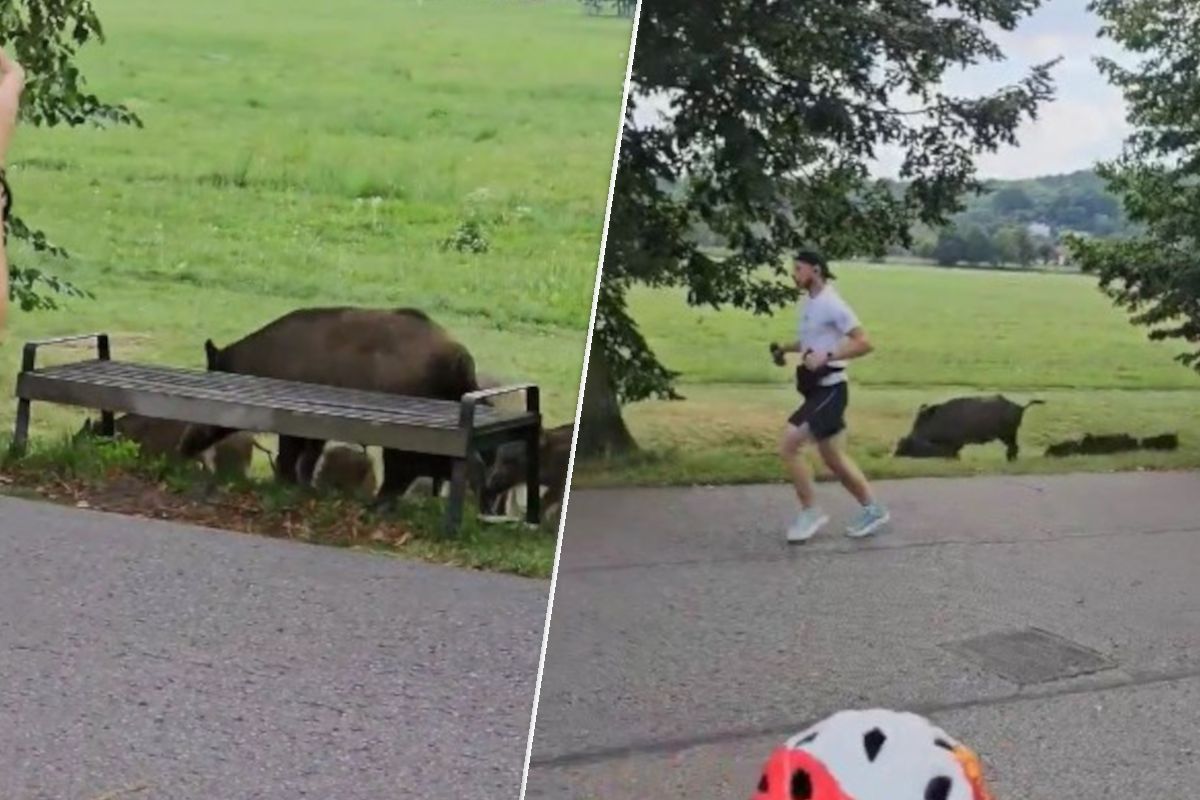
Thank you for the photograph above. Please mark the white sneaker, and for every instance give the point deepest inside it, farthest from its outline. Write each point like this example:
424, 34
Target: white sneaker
809, 521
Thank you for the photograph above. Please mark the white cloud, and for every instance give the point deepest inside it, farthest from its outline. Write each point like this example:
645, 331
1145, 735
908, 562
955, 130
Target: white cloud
1085, 123
1068, 135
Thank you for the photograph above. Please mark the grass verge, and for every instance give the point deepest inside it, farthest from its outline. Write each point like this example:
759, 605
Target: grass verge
938, 334
113, 476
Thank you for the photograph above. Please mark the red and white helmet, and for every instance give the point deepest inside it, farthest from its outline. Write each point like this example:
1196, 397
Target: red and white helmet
872, 754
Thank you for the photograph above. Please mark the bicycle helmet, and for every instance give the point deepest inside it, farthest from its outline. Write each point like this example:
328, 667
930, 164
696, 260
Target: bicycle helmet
872, 754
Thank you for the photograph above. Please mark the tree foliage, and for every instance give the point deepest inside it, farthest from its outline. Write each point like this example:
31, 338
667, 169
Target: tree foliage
777, 111
951, 248
1015, 245
1156, 274
45, 36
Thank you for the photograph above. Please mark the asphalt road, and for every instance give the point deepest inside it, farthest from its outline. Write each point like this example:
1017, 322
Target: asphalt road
687, 639
149, 660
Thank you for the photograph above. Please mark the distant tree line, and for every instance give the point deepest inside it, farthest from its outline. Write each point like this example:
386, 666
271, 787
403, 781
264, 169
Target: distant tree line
623, 8
1025, 222
1019, 223
1077, 202
971, 244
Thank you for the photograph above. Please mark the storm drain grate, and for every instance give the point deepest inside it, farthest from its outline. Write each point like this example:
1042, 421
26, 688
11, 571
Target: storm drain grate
1031, 655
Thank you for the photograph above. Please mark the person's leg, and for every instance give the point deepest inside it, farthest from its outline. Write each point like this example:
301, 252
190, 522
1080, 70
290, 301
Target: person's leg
833, 453
829, 430
791, 449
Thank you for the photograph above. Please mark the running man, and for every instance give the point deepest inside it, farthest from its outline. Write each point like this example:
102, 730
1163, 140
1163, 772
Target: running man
830, 335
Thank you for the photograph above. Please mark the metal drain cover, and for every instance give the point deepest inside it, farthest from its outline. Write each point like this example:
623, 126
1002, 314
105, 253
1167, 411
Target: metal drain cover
1031, 656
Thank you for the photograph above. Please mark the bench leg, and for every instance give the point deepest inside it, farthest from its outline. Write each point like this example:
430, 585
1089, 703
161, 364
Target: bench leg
533, 478
458, 494
21, 430
108, 426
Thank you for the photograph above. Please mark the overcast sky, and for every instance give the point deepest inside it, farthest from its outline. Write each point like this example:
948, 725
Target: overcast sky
1085, 122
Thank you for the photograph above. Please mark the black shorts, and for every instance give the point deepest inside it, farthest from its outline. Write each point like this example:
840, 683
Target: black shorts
824, 411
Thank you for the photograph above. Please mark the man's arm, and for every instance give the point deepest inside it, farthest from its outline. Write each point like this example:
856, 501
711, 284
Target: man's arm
855, 345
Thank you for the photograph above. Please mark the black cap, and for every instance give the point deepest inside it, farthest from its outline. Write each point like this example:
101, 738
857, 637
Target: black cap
817, 260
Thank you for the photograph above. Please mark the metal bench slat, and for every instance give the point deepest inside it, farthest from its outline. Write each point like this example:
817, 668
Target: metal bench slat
171, 377
228, 413
249, 386
224, 395
221, 395
251, 390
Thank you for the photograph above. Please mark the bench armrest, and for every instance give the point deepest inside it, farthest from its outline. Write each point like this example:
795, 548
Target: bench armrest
472, 399
499, 390
29, 354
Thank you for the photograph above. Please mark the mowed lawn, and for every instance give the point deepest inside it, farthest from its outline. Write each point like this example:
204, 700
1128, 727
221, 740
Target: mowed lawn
300, 153
939, 333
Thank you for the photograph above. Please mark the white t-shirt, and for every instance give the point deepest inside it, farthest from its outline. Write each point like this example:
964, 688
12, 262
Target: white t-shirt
824, 322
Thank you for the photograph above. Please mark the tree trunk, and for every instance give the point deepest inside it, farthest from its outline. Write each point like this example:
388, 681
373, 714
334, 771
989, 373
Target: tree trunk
602, 430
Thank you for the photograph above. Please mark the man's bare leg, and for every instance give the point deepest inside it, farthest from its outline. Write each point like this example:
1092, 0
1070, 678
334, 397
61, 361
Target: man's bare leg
872, 515
833, 453
791, 450
811, 519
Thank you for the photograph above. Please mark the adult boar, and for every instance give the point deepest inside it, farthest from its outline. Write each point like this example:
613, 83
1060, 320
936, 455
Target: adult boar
397, 351
951, 425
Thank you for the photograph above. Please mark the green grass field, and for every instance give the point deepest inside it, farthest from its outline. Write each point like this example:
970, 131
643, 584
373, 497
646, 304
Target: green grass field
294, 155
938, 333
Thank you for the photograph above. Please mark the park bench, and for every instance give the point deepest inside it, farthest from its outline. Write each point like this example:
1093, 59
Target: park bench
458, 429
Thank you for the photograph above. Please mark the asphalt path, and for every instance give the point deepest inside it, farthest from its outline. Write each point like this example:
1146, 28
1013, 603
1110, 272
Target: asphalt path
688, 639
143, 659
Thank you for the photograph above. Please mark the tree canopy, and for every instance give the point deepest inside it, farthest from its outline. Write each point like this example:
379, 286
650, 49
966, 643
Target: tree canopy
777, 112
1155, 275
45, 37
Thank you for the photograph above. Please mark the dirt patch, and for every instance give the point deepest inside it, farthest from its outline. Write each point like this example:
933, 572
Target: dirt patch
324, 520
109, 476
